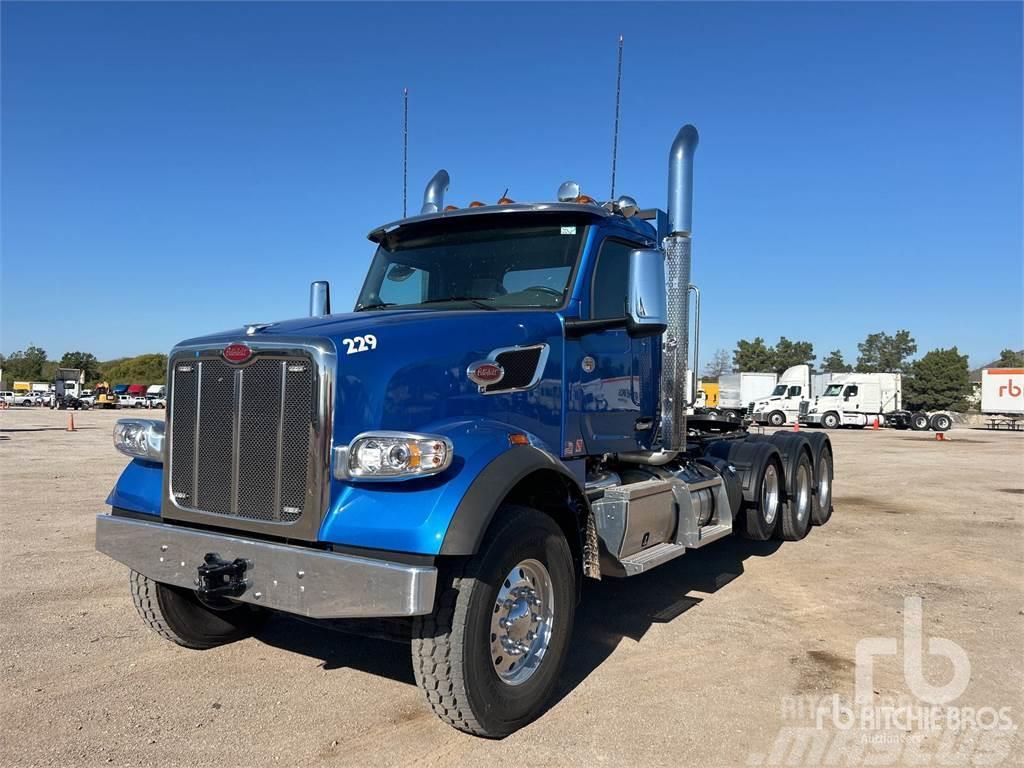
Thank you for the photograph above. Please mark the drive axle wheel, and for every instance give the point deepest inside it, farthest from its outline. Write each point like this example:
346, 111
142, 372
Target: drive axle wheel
489, 656
796, 512
758, 520
821, 510
177, 615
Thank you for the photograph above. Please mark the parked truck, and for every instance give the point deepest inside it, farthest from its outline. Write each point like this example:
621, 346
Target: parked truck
736, 391
1002, 397
796, 384
861, 399
433, 457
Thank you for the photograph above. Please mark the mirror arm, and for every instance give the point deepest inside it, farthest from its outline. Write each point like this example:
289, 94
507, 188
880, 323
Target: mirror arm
574, 329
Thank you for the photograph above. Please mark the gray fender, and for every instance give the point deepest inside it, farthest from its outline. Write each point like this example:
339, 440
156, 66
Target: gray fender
485, 495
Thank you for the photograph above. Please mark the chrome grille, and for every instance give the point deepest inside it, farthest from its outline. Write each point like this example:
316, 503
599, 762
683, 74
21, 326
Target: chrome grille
804, 407
750, 409
242, 439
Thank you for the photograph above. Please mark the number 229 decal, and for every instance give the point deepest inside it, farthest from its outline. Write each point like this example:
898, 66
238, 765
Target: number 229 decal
360, 344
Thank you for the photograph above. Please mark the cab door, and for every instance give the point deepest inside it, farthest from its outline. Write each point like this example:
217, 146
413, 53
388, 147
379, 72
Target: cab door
610, 373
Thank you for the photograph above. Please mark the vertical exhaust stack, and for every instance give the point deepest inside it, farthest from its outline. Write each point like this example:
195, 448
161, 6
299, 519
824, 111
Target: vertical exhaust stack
675, 340
433, 195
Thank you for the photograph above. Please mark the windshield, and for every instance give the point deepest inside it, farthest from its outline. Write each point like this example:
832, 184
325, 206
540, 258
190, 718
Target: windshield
475, 264
779, 390
833, 390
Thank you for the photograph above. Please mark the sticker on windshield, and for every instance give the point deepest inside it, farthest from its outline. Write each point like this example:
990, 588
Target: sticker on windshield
568, 230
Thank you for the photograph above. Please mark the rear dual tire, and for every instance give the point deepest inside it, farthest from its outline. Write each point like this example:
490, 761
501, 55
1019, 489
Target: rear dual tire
795, 515
759, 518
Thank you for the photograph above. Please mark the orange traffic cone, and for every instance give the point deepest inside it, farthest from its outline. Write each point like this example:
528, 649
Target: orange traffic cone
875, 424
71, 423
940, 436
796, 425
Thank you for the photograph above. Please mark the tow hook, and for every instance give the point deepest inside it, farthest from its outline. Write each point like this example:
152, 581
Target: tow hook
221, 578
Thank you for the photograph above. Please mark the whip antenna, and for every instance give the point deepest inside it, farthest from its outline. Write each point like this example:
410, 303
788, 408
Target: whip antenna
615, 139
405, 150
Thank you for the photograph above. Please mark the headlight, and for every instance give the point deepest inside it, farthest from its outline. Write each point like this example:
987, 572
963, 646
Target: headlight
392, 456
140, 438
813, 410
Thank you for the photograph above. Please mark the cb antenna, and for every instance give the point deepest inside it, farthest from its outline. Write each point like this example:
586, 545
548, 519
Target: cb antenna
405, 151
615, 138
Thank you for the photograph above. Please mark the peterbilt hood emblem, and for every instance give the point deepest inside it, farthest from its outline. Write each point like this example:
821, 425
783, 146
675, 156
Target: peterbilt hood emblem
485, 372
237, 353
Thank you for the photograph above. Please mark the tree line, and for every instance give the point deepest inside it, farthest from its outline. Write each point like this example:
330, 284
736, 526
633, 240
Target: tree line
33, 364
937, 380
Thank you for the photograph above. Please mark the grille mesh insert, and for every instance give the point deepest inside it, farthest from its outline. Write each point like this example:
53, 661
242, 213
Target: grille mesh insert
520, 367
241, 439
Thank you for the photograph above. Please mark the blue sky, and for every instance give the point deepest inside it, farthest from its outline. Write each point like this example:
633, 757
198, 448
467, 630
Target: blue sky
174, 169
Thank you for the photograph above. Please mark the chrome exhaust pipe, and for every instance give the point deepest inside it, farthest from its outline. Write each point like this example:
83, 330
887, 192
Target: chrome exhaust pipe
675, 340
433, 195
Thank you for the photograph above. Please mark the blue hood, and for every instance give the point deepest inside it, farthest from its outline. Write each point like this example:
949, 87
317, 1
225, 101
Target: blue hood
415, 378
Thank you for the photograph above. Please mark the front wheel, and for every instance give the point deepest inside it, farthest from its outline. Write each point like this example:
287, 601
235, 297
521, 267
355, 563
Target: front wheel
777, 418
830, 420
489, 656
177, 615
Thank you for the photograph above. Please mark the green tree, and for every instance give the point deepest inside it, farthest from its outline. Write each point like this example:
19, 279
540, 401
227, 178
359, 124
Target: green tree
938, 380
144, 369
753, 356
85, 361
719, 363
834, 363
882, 353
25, 365
1009, 359
789, 353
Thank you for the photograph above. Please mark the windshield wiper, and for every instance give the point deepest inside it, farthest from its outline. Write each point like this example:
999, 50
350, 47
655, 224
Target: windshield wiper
477, 301
378, 305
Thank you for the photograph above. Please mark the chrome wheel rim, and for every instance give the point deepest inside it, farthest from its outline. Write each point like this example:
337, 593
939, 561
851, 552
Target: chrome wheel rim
825, 482
770, 494
521, 622
803, 493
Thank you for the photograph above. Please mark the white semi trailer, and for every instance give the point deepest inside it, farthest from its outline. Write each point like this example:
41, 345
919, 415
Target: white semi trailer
736, 391
1002, 396
796, 385
861, 398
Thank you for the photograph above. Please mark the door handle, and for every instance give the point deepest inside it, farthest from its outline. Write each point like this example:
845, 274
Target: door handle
642, 425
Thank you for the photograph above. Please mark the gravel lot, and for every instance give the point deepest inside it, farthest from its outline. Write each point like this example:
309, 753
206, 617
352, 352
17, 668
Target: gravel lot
696, 663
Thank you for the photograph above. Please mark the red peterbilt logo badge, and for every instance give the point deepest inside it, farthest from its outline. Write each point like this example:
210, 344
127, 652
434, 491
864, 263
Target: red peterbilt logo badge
485, 372
236, 353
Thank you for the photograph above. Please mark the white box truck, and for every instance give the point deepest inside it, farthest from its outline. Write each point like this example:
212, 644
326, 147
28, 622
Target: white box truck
796, 385
1002, 397
860, 398
736, 391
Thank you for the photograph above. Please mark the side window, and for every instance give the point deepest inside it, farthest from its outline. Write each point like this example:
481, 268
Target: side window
611, 278
851, 391
794, 391
403, 284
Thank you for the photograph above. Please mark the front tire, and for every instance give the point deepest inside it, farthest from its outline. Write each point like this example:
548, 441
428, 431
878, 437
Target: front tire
177, 615
776, 418
489, 656
830, 420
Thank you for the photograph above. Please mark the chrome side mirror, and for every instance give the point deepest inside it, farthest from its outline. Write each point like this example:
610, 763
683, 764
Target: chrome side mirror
645, 304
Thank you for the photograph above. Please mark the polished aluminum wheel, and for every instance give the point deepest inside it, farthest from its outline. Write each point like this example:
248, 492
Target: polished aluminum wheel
521, 622
770, 494
825, 481
803, 493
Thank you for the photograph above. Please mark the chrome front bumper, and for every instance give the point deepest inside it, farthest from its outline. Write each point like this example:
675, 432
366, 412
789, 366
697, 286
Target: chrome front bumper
301, 580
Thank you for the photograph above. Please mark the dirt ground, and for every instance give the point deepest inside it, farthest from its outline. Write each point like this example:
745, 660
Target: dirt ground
704, 661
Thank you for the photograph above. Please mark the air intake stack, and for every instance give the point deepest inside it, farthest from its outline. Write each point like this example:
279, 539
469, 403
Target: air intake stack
675, 341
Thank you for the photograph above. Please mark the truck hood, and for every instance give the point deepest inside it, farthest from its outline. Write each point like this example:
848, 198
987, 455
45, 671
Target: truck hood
414, 377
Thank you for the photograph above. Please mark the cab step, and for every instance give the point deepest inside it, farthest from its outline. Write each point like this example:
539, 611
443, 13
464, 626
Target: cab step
651, 557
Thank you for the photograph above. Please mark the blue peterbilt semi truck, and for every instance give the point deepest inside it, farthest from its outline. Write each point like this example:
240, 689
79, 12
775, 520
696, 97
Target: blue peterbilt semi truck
502, 415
